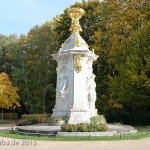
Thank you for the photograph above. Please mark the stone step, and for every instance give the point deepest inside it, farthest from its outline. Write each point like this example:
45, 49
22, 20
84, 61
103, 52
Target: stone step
37, 134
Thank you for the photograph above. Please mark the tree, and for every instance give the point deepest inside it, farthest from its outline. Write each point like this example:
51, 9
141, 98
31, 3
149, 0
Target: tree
8, 93
7, 43
118, 30
40, 68
131, 84
123, 41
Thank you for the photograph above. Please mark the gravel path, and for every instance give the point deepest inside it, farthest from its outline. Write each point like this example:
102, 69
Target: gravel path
16, 144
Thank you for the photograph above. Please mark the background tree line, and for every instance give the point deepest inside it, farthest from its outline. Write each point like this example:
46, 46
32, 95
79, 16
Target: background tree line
118, 30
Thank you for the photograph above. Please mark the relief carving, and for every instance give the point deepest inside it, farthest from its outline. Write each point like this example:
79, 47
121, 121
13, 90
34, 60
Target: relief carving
62, 82
91, 93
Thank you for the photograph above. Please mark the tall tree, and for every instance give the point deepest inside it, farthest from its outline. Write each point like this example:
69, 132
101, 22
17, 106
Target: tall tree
41, 72
122, 40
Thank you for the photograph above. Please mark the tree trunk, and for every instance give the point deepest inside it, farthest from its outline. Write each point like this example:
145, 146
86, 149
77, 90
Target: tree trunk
44, 99
2, 114
26, 83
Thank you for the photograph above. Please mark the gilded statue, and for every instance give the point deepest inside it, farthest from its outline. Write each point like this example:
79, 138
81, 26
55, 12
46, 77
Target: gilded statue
75, 14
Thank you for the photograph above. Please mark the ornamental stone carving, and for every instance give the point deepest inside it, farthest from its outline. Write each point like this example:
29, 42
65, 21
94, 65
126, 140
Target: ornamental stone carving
91, 96
78, 65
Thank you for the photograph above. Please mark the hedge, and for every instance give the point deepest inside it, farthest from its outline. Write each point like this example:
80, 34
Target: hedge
40, 117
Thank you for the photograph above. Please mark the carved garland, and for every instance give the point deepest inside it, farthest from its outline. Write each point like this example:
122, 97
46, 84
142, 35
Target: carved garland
78, 66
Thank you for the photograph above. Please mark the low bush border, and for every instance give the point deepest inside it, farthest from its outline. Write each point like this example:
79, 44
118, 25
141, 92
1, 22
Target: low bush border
42, 118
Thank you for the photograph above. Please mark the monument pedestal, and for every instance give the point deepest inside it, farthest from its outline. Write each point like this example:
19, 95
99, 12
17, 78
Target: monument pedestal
80, 116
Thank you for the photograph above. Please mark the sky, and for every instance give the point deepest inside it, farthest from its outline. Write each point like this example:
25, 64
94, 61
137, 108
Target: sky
19, 16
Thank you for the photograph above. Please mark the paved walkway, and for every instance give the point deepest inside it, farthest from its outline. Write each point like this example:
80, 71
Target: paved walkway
16, 144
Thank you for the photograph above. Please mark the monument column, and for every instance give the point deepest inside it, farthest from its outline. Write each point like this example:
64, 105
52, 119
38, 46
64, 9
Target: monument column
75, 91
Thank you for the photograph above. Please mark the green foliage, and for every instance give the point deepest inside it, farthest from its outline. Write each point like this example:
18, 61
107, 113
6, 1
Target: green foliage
99, 119
32, 121
122, 42
97, 127
97, 124
84, 127
68, 128
53, 121
31, 68
126, 116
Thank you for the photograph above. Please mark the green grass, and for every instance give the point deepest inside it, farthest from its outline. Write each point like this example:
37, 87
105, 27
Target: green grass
11, 134
142, 127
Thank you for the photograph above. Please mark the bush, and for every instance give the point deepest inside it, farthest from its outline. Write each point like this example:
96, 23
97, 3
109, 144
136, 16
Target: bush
92, 127
103, 127
32, 121
84, 127
97, 127
97, 124
69, 128
41, 118
22, 122
53, 121
81, 127
99, 119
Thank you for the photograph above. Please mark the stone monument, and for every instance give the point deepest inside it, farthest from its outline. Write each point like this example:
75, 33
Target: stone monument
75, 91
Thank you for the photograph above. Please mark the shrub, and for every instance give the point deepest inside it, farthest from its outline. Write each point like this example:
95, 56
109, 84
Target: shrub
103, 127
99, 119
81, 127
84, 127
22, 122
92, 127
32, 121
68, 128
41, 118
53, 121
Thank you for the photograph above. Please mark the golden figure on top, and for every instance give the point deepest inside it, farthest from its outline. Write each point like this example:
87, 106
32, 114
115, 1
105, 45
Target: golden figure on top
75, 14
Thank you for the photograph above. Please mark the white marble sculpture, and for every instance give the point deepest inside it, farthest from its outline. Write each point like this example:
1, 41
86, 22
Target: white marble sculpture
75, 91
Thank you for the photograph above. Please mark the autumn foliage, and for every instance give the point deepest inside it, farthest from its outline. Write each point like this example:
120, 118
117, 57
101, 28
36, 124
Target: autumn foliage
8, 93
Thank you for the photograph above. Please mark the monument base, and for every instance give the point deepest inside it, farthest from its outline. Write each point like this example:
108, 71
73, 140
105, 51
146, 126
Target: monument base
59, 113
45, 130
76, 116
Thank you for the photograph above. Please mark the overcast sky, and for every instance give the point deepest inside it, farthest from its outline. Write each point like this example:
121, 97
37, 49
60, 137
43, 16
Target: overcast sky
19, 16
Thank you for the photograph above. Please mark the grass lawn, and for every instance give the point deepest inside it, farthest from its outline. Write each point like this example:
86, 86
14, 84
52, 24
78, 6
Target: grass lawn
138, 135
142, 127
